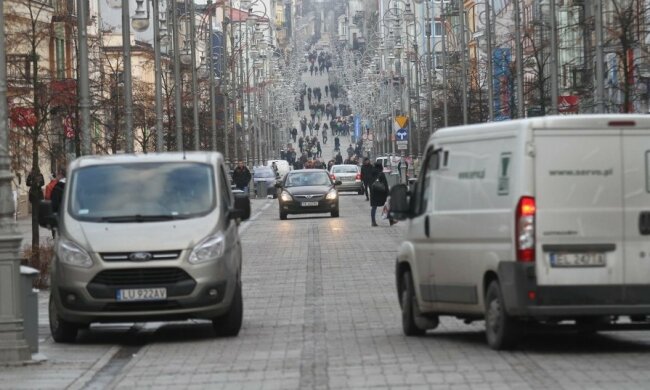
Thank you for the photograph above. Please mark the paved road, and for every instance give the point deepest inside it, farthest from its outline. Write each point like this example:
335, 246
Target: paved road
321, 312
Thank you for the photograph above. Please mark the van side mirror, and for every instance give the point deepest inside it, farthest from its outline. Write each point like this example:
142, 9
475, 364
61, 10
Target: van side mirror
338, 182
400, 209
242, 209
46, 218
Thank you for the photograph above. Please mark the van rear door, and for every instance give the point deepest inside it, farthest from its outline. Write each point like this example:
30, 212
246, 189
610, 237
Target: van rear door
579, 207
636, 162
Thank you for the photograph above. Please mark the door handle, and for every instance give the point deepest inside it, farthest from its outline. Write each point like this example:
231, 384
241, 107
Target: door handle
426, 226
644, 223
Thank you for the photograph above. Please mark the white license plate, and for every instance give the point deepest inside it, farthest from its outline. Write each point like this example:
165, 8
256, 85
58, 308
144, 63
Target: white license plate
309, 204
578, 259
141, 294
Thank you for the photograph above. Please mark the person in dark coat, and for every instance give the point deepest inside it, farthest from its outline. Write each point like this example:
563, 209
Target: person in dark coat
241, 177
367, 176
377, 199
58, 190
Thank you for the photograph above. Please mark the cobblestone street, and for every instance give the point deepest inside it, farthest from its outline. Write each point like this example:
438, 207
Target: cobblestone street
321, 312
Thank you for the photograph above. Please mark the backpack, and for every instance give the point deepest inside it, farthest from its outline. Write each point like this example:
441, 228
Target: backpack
378, 186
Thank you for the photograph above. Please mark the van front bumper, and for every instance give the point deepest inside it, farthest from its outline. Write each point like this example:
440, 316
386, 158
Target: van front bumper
524, 298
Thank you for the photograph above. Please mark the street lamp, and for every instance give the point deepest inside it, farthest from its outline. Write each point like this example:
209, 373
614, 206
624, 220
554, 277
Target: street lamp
13, 347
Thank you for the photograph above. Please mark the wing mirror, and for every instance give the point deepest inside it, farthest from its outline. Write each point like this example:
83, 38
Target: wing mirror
338, 182
242, 209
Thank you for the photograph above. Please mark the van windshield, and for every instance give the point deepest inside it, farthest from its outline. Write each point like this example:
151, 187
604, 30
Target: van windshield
141, 192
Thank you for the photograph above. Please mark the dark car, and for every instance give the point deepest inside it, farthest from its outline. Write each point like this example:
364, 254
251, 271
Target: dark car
307, 191
267, 176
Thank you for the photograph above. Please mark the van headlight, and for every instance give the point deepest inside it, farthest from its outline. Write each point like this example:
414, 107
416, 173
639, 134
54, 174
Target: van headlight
331, 195
286, 197
211, 248
71, 253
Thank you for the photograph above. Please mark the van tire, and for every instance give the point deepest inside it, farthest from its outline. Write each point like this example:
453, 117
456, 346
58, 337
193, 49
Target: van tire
62, 331
409, 301
229, 324
501, 330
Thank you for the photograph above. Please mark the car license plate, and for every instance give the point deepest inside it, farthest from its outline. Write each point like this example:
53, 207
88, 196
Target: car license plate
560, 260
309, 204
141, 294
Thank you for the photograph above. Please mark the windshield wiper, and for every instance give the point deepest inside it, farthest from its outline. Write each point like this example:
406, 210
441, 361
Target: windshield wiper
140, 218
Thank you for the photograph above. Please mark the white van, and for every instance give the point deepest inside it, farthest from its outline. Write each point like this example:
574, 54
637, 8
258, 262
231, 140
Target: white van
283, 166
533, 222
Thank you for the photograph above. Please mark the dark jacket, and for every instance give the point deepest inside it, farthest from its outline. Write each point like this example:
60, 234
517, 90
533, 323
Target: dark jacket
367, 173
241, 177
378, 198
57, 195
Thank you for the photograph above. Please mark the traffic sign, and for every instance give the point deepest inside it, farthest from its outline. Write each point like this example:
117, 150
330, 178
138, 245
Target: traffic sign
402, 146
402, 135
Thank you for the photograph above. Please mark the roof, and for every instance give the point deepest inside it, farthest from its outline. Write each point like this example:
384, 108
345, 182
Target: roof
198, 157
238, 15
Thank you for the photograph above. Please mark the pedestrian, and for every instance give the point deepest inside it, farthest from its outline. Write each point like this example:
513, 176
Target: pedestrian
327, 91
338, 159
48, 188
378, 193
337, 143
35, 182
301, 144
367, 174
241, 177
294, 134
57, 191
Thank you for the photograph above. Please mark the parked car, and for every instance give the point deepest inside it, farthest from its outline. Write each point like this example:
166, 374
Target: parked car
283, 166
146, 238
267, 176
350, 177
308, 191
534, 222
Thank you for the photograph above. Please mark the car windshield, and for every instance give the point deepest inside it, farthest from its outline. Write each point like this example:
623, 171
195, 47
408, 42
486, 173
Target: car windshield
141, 192
264, 173
307, 179
344, 169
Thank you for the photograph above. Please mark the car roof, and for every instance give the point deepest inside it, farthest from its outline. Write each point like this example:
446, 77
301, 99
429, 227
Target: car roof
198, 157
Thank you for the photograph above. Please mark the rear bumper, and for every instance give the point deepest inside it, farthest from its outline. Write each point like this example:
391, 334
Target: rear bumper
523, 297
324, 206
350, 186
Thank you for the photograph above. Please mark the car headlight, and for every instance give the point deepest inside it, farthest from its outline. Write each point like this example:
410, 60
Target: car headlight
72, 254
331, 195
211, 248
286, 197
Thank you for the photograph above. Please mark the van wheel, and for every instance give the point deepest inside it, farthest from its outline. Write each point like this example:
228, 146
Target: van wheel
409, 327
283, 216
229, 324
62, 331
501, 330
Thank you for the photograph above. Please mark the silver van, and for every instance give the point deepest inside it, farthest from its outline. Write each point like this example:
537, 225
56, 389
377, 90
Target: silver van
146, 238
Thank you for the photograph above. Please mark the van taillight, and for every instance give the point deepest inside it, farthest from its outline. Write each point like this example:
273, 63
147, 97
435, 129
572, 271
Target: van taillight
525, 233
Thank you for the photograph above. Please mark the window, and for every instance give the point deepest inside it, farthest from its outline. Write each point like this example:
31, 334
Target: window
224, 194
438, 60
425, 192
437, 29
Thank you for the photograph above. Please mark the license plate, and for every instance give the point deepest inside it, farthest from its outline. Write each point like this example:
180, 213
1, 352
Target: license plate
309, 204
347, 179
560, 260
141, 294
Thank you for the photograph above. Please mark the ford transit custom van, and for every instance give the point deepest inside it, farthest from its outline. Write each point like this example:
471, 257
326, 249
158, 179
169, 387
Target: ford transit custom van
146, 238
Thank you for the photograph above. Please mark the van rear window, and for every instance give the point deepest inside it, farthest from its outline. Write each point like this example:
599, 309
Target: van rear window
141, 192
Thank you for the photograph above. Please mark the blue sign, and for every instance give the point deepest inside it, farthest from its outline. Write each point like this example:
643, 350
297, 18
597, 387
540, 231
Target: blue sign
402, 135
357, 126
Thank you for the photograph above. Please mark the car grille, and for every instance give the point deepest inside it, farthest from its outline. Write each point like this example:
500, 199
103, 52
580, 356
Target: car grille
141, 306
308, 197
124, 256
141, 276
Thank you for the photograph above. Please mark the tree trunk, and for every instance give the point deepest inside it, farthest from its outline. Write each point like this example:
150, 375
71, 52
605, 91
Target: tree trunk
35, 189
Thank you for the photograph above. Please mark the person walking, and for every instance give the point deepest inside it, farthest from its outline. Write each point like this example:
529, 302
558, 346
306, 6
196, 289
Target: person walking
367, 175
241, 177
58, 190
378, 195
